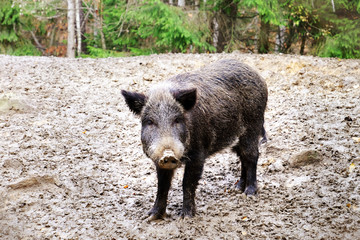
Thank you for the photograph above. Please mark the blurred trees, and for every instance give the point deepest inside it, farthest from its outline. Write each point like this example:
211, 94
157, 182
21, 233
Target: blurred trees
100, 28
149, 27
12, 40
75, 29
71, 29
10, 21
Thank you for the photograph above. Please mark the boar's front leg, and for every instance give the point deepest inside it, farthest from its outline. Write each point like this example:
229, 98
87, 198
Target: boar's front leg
164, 182
192, 175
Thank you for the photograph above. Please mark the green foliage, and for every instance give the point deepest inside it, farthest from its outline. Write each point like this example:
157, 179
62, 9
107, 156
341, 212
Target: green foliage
304, 19
42, 8
26, 49
224, 6
11, 40
342, 34
269, 10
20, 49
345, 43
151, 27
9, 22
142, 27
167, 26
101, 53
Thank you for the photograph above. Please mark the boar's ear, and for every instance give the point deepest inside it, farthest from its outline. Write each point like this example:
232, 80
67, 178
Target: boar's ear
135, 101
187, 98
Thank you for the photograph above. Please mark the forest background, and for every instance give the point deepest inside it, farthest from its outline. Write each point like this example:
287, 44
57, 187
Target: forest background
109, 28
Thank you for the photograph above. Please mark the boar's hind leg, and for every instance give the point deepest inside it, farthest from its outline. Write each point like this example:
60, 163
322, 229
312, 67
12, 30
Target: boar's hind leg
164, 182
248, 151
192, 175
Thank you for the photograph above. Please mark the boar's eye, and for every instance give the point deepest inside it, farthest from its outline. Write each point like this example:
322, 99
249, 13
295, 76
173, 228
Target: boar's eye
178, 120
148, 122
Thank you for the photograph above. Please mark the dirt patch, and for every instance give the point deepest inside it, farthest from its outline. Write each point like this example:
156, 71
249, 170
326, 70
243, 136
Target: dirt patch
72, 167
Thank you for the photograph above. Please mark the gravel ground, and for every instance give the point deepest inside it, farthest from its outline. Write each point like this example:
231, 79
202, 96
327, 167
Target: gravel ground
72, 166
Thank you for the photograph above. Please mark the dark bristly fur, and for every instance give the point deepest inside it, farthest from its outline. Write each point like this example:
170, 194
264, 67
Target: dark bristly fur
197, 114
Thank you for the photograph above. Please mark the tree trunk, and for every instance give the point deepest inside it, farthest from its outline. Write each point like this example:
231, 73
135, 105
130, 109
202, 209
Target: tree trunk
303, 40
78, 26
256, 37
215, 30
38, 44
103, 44
223, 25
196, 4
83, 21
264, 46
222, 33
280, 39
98, 29
181, 3
333, 5
289, 37
71, 29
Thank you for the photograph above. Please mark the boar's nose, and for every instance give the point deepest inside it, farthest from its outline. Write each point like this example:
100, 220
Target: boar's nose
168, 160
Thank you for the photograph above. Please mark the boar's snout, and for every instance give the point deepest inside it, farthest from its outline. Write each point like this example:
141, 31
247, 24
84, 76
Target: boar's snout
168, 160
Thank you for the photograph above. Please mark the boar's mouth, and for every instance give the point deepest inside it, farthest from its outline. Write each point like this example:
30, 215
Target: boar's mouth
168, 160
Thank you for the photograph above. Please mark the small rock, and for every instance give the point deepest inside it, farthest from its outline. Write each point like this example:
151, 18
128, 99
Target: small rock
277, 166
306, 157
33, 181
296, 181
15, 164
10, 101
147, 78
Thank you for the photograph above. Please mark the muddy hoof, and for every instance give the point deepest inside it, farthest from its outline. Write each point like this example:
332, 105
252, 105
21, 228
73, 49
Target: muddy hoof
154, 218
250, 191
240, 185
187, 214
154, 215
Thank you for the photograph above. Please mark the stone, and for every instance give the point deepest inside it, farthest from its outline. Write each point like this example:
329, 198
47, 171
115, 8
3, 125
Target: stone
306, 157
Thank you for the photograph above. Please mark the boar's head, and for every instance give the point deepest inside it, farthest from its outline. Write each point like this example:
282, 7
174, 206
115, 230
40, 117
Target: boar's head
164, 123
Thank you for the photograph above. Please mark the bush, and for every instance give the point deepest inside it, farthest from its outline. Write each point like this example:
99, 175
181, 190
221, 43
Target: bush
9, 23
12, 42
151, 27
345, 42
101, 53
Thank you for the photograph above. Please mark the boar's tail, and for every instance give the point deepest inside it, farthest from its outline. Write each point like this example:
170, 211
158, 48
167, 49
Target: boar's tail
263, 134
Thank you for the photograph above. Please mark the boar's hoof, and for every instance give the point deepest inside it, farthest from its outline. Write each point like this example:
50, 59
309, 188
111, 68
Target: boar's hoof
187, 214
156, 216
250, 191
241, 185
168, 161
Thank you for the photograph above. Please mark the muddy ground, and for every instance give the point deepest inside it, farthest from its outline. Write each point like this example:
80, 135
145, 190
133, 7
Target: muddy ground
72, 167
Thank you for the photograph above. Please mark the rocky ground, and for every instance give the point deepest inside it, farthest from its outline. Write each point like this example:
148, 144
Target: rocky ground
72, 167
